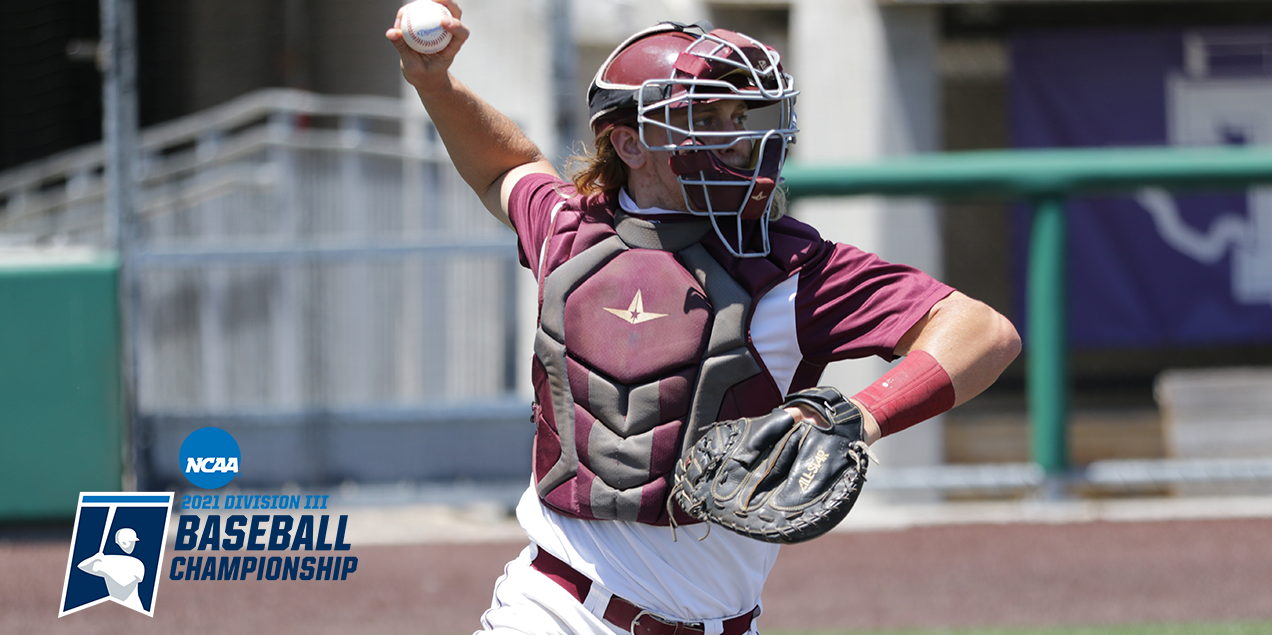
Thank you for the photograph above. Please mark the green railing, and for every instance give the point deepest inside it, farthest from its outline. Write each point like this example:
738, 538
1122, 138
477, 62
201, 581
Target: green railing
1045, 178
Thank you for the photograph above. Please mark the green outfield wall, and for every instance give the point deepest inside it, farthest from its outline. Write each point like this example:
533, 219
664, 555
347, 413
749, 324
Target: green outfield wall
61, 409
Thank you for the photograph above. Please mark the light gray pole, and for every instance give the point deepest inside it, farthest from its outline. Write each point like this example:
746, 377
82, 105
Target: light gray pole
118, 58
564, 69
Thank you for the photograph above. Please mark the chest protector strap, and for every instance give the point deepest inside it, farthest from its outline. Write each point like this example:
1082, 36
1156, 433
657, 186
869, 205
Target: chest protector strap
640, 338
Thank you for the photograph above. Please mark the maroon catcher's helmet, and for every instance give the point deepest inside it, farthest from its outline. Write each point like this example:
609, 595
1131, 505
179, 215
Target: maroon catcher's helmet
673, 66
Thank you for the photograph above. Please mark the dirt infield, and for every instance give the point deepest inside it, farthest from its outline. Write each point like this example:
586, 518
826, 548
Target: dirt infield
951, 576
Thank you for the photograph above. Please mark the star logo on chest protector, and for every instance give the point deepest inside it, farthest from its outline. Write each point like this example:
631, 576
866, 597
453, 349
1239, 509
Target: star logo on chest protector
635, 313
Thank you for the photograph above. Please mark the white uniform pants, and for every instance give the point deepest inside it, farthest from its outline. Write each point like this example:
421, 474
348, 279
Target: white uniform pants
528, 602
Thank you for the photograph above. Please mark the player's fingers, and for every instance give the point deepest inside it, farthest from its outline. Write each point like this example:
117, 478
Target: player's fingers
412, 62
800, 412
394, 33
459, 34
451, 6
394, 36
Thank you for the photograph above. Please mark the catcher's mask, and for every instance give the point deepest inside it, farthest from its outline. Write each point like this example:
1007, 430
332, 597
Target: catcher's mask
671, 67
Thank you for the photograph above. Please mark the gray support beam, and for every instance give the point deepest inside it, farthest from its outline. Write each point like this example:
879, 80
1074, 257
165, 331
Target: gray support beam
122, 140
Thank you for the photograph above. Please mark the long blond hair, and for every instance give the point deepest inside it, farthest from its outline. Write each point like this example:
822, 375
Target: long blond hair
599, 170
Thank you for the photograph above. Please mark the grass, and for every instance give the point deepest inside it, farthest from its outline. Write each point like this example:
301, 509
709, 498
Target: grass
1230, 628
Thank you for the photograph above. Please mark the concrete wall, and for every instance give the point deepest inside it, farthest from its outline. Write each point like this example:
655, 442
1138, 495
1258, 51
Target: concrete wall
348, 52
230, 47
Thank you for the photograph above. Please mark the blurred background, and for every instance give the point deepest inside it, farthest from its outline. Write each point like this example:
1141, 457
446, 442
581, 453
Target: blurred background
294, 260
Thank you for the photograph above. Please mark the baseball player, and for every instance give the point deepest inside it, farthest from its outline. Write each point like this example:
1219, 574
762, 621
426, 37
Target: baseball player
675, 294
122, 573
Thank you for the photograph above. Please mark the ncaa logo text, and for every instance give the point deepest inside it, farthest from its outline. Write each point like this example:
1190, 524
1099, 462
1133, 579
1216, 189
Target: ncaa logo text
194, 465
210, 458
116, 550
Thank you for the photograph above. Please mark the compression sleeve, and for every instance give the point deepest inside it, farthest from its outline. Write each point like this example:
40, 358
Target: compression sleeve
916, 389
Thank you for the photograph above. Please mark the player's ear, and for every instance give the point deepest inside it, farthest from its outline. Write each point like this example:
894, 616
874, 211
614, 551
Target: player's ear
627, 146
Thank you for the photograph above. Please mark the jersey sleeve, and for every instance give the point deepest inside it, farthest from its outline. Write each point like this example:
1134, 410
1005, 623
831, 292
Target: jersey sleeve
532, 205
854, 304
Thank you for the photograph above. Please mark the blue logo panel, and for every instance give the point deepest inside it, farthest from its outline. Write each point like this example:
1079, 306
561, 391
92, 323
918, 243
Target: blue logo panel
116, 551
210, 458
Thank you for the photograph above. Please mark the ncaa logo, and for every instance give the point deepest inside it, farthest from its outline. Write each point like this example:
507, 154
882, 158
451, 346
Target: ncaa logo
210, 458
116, 550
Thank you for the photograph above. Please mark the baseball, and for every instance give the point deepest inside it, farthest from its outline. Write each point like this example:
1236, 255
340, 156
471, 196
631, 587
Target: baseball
422, 26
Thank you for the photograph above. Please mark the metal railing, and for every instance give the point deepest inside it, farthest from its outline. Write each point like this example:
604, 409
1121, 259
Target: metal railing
293, 247
1046, 178
297, 258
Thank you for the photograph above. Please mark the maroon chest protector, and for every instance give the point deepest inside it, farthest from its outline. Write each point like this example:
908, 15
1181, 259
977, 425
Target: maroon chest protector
642, 345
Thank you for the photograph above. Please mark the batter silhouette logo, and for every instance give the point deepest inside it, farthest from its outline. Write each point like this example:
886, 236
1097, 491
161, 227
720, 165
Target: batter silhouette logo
116, 550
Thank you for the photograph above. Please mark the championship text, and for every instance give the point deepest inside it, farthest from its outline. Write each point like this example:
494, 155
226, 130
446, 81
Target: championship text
261, 532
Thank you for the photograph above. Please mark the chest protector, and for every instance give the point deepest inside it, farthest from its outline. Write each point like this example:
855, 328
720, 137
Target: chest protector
642, 345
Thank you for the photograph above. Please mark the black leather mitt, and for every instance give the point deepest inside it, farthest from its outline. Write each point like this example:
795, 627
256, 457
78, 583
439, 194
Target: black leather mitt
774, 479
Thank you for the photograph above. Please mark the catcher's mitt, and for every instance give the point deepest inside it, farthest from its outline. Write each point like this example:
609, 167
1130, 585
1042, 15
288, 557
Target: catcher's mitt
774, 479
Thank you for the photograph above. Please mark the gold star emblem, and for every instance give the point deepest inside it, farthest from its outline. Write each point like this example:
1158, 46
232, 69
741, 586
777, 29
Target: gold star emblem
635, 314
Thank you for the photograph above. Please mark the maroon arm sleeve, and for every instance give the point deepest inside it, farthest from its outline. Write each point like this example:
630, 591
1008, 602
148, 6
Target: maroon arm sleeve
914, 390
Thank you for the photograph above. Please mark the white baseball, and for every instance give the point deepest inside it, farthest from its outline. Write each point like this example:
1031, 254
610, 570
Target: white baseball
422, 26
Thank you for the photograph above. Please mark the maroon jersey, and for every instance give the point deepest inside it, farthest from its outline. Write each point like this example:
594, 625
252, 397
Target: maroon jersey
651, 331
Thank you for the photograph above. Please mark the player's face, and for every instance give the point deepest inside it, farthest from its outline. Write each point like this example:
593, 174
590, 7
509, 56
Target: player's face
723, 116
127, 545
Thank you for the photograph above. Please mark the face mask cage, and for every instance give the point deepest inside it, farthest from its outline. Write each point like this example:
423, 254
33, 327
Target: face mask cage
727, 194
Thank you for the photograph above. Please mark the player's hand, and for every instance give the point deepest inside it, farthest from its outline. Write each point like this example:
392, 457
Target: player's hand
870, 427
424, 70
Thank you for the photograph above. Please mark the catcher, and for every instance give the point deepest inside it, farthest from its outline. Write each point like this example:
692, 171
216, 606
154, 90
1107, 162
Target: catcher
678, 308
